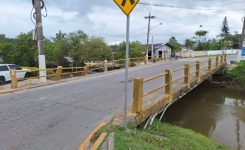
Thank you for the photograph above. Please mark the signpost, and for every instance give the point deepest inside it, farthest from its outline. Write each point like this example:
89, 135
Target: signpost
127, 7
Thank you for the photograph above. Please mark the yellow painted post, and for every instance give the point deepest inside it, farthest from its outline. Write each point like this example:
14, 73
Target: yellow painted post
198, 73
85, 70
210, 65
105, 66
59, 72
222, 60
145, 60
225, 59
169, 85
187, 76
217, 62
14, 81
138, 95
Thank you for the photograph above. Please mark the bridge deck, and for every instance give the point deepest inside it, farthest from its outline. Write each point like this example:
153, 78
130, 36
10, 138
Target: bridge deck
60, 116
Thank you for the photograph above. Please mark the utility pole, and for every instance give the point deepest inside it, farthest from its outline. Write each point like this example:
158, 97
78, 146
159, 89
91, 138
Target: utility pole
242, 45
243, 33
39, 35
152, 47
148, 33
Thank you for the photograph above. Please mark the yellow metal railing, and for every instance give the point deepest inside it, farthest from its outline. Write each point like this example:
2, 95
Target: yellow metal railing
55, 74
200, 67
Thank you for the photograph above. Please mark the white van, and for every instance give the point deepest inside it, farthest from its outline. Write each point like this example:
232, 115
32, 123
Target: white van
5, 72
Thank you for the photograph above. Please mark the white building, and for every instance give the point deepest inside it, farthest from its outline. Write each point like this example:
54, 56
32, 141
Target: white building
160, 49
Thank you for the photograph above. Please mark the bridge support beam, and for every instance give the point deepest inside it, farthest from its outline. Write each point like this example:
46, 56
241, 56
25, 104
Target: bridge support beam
138, 95
187, 76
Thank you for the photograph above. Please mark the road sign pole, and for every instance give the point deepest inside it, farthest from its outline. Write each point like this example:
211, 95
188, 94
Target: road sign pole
126, 74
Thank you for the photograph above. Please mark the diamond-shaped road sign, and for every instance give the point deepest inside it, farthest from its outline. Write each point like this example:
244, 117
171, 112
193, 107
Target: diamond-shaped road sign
126, 5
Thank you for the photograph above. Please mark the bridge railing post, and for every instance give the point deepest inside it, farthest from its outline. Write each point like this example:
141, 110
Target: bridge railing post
225, 59
217, 62
105, 66
145, 60
85, 70
138, 95
14, 81
58, 72
129, 62
198, 73
222, 60
169, 84
187, 76
210, 65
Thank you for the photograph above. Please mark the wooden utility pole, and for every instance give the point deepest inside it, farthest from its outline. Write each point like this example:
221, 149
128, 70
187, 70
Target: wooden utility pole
243, 33
39, 36
148, 33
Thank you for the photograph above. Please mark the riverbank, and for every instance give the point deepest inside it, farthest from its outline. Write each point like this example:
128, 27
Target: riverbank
163, 136
237, 76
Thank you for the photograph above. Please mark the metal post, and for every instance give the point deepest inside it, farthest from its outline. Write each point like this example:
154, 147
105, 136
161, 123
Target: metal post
126, 74
138, 95
187, 76
41, 52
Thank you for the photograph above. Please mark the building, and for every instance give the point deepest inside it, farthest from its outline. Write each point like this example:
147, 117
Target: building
160, 49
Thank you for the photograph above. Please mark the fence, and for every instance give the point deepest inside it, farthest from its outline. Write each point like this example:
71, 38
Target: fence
171, 81
53, 75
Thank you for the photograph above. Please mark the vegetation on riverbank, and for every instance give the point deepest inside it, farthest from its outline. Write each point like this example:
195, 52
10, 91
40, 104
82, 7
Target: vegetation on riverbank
163, 136
237, 75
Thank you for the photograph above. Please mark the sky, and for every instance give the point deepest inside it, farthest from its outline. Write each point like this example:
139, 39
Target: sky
103, 18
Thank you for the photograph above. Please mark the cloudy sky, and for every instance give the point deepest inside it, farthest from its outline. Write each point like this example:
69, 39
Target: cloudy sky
180, 18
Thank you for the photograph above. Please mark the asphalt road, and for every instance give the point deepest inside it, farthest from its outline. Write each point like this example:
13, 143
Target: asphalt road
59, 117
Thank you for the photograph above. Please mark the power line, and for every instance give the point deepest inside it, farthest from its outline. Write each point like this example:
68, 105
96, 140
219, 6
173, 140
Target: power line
185, 7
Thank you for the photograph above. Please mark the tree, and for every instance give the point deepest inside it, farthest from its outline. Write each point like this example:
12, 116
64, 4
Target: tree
201, 39
97, 50
225, 28
174, 43
136, 49
189, 44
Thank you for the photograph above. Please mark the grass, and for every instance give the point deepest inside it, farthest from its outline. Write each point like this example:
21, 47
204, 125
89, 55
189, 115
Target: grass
238, 75
163, 136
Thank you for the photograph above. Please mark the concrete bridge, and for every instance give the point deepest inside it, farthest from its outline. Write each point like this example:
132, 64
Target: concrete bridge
60, 116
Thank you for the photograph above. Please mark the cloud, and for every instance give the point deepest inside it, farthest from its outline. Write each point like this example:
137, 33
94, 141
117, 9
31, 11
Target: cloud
103, 18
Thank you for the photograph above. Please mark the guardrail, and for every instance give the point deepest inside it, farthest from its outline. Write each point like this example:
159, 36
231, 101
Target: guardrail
55, 74
184, 81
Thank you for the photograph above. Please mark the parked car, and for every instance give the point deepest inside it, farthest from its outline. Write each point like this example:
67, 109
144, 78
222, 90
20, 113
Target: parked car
5, 72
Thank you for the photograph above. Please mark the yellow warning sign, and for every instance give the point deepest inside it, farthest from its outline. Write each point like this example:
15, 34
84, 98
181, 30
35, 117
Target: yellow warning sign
126, 5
